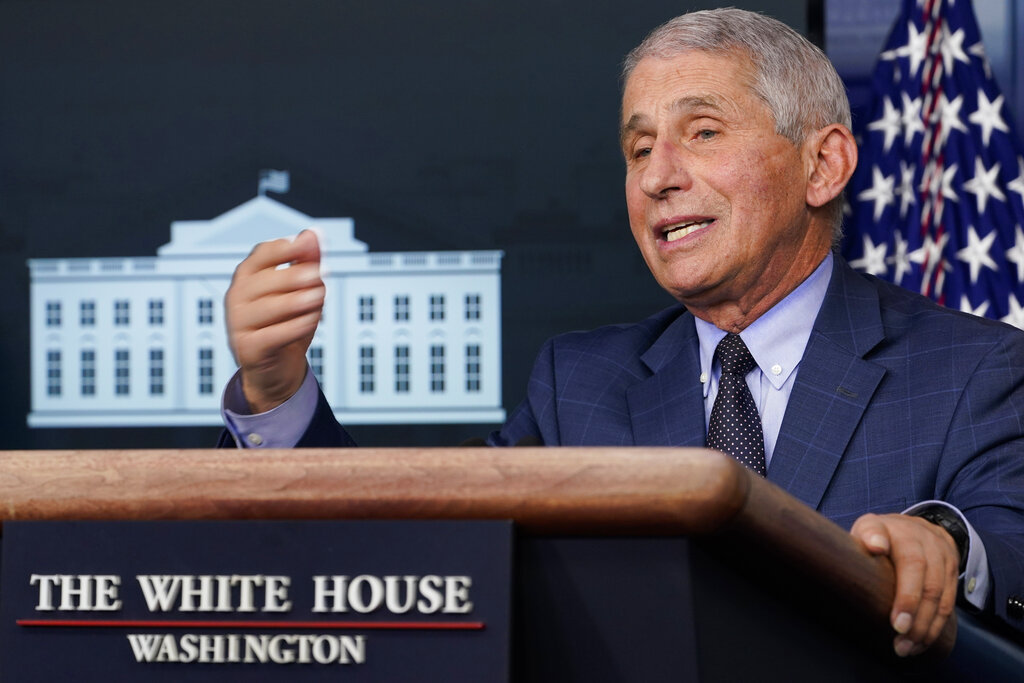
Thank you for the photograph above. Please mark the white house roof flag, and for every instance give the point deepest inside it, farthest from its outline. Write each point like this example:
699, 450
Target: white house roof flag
938, 197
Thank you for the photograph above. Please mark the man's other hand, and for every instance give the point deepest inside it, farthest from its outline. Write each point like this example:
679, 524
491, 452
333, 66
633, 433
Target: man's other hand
272, 309
927, 564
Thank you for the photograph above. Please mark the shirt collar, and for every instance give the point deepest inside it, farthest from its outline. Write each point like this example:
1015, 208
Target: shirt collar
778, 338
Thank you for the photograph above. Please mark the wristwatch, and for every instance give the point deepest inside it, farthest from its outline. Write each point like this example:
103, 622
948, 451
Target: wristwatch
952, 523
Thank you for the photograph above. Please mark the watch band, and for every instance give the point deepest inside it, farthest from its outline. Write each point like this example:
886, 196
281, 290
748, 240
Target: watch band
952, 523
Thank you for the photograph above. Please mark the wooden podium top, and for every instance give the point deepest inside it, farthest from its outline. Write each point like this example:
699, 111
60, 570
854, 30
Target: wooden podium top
594, 491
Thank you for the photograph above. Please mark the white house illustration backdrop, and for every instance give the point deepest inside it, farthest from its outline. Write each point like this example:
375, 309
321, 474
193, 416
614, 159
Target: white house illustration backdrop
406, 337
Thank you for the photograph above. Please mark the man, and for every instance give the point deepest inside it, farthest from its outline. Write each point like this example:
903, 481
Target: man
872, 400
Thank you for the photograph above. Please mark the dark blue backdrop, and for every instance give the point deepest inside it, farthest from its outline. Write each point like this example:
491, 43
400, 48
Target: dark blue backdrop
461, 124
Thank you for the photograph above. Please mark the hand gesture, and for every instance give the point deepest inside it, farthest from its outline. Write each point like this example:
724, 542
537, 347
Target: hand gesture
272, 309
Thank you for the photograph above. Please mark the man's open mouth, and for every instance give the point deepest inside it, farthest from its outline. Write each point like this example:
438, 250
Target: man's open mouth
677, 232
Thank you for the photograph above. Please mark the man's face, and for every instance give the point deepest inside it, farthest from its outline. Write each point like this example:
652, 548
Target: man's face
716, 197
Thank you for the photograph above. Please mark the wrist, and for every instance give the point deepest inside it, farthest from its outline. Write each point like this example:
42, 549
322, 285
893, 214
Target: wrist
952, 523
262, 397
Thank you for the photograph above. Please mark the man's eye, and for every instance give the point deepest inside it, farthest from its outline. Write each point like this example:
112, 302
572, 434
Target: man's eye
642, 152
706, 134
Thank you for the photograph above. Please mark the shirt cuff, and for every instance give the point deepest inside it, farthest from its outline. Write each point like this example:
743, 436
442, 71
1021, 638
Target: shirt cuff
281, 427
975, 579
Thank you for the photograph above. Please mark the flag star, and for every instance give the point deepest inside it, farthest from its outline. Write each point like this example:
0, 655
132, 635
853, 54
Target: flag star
949, 117
966, 307
930, 182
916, 48
1017, 184
947, 184
880, 192
911, 118
1016, 315
952, 48
873, 260
906, 189
975, 254
900, 258
1016, 254
978, 50
987, 116
984, 185
889, 123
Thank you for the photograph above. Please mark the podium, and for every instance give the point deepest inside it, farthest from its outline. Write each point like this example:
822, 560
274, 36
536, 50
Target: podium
630, 564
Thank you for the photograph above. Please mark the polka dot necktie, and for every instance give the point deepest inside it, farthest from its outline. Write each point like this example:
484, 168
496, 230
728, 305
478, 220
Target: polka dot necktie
735, 426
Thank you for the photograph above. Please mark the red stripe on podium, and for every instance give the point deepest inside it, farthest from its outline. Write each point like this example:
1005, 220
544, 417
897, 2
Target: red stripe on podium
325, 625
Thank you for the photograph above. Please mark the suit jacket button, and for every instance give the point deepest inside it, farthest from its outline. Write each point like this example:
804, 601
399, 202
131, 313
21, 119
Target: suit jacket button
1015, 607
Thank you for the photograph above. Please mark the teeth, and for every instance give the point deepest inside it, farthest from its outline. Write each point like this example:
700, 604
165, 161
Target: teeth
681, 231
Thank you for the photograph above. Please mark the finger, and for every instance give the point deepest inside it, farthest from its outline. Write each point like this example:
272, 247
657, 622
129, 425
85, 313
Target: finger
304, 248
268, 255
927, 565
944, 611
918, 594
873, 534
261, 344
276, 308
910, 579
934, 606
935, 550
307, 243
946, 603
300, 307
256, 286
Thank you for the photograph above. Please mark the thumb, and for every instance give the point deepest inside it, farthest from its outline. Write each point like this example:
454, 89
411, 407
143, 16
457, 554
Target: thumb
872, 534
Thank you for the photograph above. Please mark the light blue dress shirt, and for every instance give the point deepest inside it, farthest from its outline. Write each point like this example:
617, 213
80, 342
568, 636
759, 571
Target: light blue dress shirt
776, 341
281, 427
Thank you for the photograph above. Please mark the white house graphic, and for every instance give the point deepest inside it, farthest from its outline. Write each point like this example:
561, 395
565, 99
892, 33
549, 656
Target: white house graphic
407, 337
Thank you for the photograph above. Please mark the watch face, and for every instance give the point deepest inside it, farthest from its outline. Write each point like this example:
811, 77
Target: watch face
954, 526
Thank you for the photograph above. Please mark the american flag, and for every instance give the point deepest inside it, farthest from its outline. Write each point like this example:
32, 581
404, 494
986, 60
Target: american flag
937, 201
274, 181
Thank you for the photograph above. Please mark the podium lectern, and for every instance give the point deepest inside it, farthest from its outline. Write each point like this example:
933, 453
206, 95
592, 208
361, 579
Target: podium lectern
630, 564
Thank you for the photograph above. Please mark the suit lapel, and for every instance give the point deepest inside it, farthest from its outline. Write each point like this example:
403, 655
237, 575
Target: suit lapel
833, 388
667, 408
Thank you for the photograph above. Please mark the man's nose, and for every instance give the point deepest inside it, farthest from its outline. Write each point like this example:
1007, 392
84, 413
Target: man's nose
665, 171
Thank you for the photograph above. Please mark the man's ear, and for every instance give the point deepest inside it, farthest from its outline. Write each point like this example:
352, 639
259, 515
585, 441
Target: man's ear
832, 156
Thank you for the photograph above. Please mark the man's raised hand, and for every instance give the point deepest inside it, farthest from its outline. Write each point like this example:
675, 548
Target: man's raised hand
272, 309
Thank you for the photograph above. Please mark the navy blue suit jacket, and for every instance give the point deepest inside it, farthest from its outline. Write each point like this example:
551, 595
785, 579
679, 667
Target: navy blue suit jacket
897, 400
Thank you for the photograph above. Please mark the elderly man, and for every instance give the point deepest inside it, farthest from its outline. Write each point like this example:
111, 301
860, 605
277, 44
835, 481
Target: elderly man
878, 408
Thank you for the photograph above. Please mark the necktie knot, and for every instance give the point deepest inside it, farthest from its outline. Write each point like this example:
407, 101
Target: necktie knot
734, 356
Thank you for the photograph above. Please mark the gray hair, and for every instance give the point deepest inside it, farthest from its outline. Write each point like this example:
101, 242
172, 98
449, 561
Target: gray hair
792, 76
